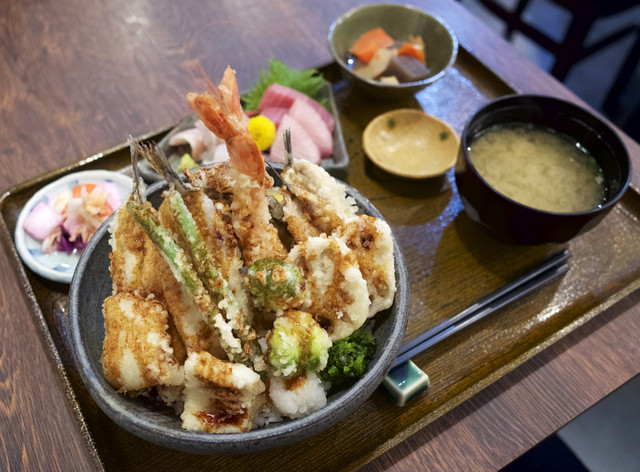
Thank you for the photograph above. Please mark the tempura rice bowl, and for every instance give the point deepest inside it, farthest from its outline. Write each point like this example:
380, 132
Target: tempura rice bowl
92, 284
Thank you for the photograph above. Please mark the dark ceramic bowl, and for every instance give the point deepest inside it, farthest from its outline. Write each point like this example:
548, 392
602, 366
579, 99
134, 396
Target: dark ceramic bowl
91, 284
441, 44
513, 221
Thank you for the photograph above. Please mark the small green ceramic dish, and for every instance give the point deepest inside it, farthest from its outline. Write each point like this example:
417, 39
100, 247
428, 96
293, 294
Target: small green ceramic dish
441, 44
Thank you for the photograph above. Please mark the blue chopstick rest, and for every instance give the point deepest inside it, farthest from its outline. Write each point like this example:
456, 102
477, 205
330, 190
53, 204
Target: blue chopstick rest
405, 381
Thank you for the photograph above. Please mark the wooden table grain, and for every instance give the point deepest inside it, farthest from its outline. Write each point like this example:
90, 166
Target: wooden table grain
77, 77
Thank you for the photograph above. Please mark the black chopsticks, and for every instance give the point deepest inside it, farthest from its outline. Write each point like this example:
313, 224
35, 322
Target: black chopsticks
550, 268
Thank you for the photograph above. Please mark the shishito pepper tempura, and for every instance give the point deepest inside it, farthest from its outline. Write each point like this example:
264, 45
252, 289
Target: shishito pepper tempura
211, 311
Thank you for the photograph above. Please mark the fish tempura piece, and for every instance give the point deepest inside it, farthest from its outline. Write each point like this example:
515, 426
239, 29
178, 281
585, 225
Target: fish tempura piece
220, 110
316, 198
216, 181
220, 397
180, 264
136, 266
175, 215
213, 222
188, 320
137, 351
335, 293
316, 203
370, 239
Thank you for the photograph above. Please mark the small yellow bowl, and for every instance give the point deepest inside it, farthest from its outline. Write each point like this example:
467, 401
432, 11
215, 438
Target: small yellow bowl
410, 143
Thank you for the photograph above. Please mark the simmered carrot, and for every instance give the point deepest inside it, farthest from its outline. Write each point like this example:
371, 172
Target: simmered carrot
77, 191
368, 43
408, 49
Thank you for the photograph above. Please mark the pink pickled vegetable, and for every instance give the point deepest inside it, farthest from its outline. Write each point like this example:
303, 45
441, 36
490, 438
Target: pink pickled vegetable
277, 95
302, 145
113, 195
86, 214
41, 221
312, 123
74, 217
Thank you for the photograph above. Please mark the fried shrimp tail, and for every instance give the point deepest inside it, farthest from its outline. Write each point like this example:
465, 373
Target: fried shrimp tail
288, 151
220, 110
139, 189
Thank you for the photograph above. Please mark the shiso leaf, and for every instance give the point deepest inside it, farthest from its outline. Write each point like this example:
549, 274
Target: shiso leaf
308, 81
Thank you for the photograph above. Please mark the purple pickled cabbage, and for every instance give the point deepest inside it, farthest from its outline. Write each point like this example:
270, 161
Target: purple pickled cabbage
68, 246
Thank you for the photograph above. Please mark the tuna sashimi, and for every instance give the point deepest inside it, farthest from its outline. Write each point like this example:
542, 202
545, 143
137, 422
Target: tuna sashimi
274, 114
304, 114
277, 95
302, 145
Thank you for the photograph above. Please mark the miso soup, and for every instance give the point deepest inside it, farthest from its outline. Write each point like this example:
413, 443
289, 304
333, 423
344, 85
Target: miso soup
538, 167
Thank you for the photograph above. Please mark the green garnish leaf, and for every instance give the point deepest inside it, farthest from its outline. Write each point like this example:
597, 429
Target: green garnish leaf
391, 123
444, 135
349, 358
308, 81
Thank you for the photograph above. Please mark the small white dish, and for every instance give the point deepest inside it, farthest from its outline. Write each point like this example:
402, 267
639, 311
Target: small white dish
59, 266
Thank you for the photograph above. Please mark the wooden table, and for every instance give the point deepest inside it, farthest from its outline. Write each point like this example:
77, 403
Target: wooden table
77, 77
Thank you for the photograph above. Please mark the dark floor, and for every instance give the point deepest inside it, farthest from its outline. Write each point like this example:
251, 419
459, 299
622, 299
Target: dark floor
606, 438
591, 78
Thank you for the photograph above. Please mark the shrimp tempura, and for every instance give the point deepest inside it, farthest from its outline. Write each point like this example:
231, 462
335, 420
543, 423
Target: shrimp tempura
220, 110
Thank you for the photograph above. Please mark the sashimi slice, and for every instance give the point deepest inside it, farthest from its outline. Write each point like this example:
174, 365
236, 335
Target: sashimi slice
312, 123
274, 114
277, 95
302, 145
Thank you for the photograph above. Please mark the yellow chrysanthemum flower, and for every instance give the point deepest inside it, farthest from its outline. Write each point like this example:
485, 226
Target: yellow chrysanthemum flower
263, 131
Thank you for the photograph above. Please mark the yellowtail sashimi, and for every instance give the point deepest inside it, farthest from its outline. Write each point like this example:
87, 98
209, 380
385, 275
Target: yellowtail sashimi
277, 95
302, 144
312, 123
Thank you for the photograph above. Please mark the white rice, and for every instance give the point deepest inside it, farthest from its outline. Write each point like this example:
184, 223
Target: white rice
308, 396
